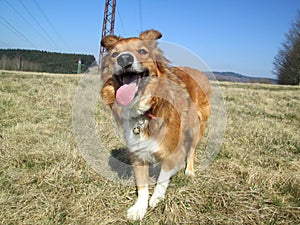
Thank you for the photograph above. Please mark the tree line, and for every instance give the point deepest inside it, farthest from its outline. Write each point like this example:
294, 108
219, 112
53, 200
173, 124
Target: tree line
287, 60
43, 61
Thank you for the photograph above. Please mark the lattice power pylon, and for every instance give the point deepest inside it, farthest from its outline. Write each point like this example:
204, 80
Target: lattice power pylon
108, 22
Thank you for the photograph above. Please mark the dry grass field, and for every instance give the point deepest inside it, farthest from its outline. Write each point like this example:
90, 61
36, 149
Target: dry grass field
44, 179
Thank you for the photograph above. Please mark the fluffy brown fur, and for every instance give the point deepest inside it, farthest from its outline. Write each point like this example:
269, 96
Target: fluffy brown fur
178, 98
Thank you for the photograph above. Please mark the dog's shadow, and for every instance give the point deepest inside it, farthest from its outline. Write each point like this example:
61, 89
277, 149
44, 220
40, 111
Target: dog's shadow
119, 162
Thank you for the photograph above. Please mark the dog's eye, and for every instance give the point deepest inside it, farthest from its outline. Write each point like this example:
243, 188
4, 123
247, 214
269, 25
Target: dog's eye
142, 52
115, 54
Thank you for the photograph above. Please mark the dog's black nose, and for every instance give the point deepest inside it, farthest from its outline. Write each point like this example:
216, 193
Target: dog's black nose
125, 60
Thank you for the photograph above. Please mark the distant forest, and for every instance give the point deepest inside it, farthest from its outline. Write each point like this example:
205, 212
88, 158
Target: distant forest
42, 61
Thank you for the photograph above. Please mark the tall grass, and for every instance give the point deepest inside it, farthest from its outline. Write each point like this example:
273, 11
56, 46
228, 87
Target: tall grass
44, 179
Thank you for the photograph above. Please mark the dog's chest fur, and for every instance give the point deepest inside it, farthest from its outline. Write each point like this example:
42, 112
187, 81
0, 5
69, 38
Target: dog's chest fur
137, 137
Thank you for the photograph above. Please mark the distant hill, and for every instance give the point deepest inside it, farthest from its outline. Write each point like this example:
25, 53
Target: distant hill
236, 77
42, 61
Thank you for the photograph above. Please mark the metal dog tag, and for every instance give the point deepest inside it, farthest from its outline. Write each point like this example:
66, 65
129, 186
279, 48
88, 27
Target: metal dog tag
137, 130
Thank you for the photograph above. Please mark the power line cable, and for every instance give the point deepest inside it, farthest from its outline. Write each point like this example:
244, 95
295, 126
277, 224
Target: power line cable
10, 27
14, 9
121, 21
2, 43
23, 18
40, 26
50, 23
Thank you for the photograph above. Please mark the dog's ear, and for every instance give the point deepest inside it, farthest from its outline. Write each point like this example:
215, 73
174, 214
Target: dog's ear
150, 35
109, 41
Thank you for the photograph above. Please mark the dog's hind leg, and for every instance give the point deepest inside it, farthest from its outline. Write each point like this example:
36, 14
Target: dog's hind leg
189, 170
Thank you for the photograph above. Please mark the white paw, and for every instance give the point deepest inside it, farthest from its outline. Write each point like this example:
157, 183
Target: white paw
154, 200
189, 173
136, 212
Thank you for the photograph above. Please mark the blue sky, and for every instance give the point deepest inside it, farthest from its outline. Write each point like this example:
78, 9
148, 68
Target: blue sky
228, 35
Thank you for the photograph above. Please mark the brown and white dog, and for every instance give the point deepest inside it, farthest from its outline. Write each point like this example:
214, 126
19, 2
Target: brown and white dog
162, 110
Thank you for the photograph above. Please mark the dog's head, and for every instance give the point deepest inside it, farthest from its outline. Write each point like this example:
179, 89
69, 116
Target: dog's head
129, 61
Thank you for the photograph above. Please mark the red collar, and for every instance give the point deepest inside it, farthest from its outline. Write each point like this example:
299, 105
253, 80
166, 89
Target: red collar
151, 116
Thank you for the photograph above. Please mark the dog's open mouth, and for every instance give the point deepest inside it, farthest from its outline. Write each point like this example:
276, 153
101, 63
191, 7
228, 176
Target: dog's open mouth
129, 84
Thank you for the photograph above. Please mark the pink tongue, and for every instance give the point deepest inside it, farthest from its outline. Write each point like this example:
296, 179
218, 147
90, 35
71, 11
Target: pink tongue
126, 93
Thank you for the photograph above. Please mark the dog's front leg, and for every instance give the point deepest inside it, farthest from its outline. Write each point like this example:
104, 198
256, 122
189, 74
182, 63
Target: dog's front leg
162, 185
138, 210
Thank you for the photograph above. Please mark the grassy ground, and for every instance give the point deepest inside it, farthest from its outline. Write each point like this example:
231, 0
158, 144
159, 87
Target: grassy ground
44, 179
